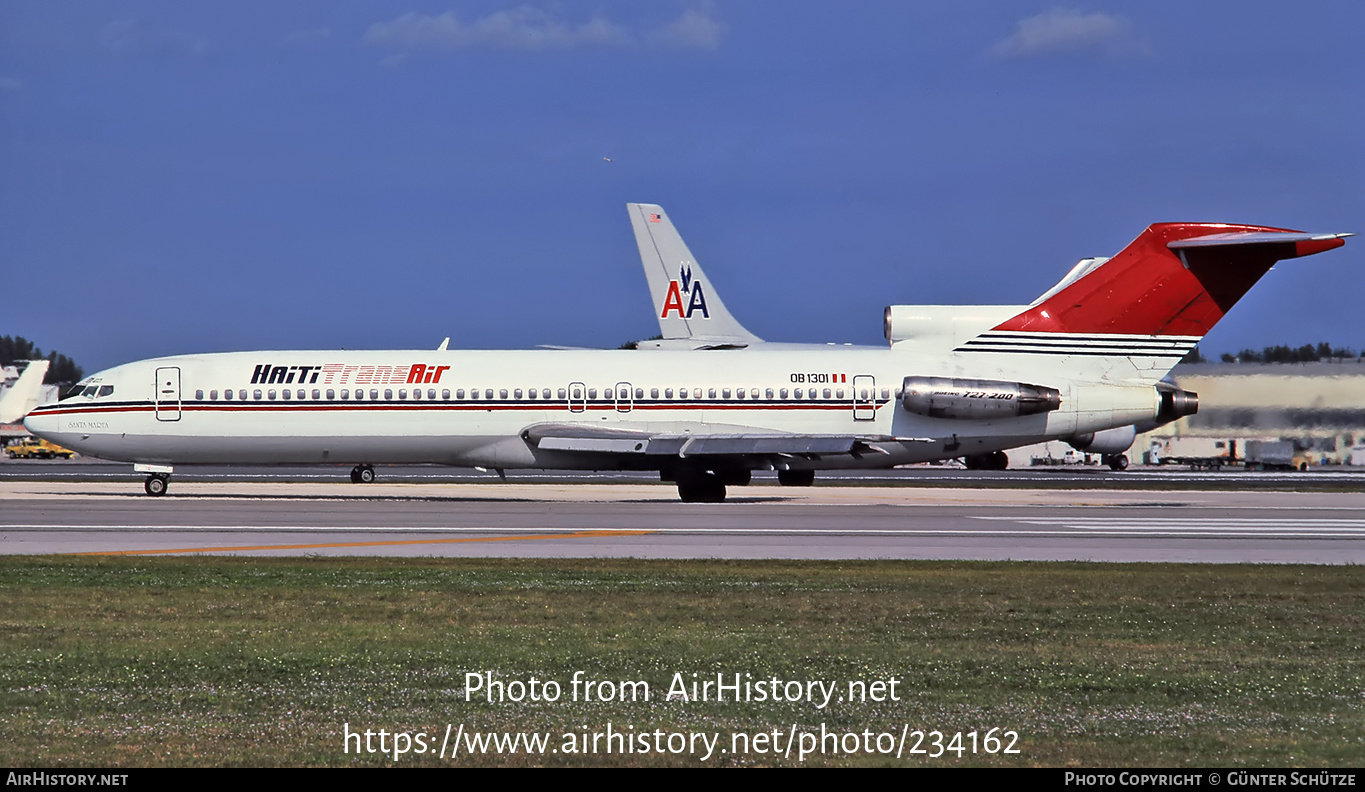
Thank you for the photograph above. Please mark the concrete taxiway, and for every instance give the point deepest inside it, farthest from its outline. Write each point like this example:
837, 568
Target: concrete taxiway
328, 517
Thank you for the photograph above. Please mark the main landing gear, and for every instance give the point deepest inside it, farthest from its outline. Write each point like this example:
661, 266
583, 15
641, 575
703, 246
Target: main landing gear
362, 474
1116, 461
156, 483
994, 460
701, 488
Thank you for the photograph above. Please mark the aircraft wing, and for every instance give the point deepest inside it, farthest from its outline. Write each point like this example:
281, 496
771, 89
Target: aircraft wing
703, 441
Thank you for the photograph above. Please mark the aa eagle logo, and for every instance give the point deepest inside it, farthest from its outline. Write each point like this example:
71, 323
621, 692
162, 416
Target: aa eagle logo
696, 295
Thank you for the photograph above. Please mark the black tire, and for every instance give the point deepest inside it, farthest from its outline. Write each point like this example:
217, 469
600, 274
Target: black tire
796, 478
355, 474
1117, 461
706, 488
366, 475
156, 485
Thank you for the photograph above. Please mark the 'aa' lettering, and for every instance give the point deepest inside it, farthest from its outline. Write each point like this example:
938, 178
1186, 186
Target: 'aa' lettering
698, 301
673, 302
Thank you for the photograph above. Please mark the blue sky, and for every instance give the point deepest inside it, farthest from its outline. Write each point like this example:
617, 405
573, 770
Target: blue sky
185, 177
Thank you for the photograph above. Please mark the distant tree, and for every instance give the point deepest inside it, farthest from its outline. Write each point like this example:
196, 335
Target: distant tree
1193, 357
63, 370
636, 344
1228, 357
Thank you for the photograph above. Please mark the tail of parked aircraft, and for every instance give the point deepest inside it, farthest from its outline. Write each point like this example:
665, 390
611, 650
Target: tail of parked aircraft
684, 302
1154, 300
24, 394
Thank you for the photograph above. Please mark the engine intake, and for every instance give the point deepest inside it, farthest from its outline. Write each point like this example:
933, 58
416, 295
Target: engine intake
942, 397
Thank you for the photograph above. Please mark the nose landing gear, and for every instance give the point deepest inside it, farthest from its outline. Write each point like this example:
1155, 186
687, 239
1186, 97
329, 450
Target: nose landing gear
156, 484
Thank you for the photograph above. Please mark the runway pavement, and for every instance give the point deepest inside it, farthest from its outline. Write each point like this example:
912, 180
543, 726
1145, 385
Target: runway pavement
295, 515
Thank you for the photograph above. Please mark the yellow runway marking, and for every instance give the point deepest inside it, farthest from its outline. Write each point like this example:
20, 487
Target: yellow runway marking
574, 535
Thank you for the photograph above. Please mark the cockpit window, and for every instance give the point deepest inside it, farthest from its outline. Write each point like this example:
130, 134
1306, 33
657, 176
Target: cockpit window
76, 390
90, 391
106, 390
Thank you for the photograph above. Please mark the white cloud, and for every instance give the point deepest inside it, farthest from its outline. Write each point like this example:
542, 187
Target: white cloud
139, 38
523, 28
695, 29
532, 29
1068, 30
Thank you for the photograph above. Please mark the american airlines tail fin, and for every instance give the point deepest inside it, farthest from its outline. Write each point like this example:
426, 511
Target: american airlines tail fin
24, 394
1153, 301
691, 314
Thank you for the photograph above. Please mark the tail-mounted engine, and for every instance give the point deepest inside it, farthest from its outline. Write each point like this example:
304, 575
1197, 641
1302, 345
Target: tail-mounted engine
942, 397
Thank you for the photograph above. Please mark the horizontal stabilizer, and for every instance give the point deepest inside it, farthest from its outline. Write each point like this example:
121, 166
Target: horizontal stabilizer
1176, 279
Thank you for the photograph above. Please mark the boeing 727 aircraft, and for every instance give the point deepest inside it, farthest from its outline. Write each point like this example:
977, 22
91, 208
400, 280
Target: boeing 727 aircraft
1087, 357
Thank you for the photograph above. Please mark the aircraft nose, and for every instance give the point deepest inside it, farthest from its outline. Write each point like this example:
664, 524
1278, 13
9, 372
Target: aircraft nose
40, 424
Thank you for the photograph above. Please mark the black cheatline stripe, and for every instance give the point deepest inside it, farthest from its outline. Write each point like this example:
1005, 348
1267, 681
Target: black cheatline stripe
1115, 353
1093, 336
429, 405
1088, 345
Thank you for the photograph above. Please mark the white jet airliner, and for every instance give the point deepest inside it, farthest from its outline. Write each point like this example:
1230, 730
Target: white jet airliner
675, 277
1086, 358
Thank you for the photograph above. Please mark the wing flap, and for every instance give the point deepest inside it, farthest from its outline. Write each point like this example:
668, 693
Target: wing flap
696, 443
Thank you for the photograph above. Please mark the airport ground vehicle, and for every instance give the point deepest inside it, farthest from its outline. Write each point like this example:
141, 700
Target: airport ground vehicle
36, 448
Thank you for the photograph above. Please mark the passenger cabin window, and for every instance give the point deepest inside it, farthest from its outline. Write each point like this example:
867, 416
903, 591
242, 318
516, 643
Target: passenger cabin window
271, 394
711, 393
345, 394
388, 394
488, 393
640, 393
668, 393
213, 395
198, 395
302, 394
227, 394
826, 392
696, 393
545, 393
431, 394
459, 394
592, 393
241, 394
374, 394
286, 394
331, 394
517, 394
502, 393
562, 393
768, 394
402, 394
317, 394
783, 393
256, 394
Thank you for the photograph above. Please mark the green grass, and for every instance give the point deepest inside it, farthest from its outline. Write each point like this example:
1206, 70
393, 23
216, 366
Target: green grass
224, 661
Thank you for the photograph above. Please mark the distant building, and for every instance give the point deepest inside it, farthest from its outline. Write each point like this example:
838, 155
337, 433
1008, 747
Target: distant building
1320, 407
